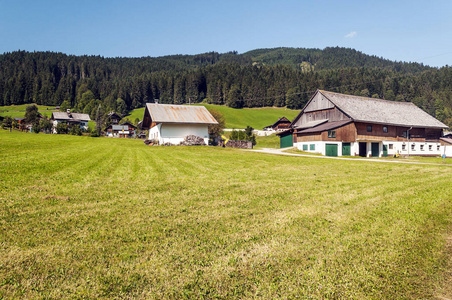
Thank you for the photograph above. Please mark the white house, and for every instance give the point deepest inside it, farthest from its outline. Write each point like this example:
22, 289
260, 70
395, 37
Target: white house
72, 119
168, 123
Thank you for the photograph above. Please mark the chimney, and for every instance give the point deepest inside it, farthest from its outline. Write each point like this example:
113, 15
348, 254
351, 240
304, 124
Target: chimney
156, 101
68, 111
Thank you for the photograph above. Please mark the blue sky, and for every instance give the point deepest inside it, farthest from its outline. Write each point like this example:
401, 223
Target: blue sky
398, 30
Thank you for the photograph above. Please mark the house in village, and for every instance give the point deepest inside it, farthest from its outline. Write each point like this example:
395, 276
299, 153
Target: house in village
71, 119
114, 117
22, 125
168, 123
123, 130
336, 124
281, 125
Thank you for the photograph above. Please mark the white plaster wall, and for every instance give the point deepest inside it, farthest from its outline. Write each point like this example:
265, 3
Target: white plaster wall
319, 147
154, 133
448, 150
397, 147
175, 133
55, 123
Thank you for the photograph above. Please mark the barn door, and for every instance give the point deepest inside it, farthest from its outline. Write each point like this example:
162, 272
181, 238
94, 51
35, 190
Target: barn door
286, 141
331, 149
385, 150
375, 150
346, 149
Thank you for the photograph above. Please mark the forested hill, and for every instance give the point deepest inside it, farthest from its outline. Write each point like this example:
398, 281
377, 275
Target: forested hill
328, 58
263, 77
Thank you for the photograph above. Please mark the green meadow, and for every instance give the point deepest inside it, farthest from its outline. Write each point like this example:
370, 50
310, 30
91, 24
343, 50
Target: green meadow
257, 118
18, 111
85, 217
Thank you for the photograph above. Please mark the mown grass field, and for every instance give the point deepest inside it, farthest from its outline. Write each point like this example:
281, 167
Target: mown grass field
85, 217
257, 118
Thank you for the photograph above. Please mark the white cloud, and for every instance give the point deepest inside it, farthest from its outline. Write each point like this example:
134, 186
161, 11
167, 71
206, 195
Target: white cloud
351, 35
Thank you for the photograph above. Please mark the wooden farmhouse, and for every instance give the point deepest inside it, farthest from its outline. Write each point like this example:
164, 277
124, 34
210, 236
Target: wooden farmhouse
71, 119
281, 125
168, 123
335, 124
114, 117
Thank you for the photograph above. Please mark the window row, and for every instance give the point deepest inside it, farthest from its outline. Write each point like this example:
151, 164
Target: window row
311, 147
421, 147
369, 128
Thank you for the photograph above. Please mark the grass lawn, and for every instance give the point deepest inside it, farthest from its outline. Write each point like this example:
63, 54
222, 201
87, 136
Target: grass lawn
18, 111
85, 217
270, 141
136, 113
257, 118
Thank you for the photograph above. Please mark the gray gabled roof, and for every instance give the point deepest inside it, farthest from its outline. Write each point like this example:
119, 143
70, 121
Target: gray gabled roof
58, 115
382, 111
170, 113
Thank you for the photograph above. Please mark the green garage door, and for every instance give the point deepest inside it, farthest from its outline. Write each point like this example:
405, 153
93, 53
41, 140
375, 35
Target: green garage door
346, 149
331, 149
385, 150
286, 141
375, 150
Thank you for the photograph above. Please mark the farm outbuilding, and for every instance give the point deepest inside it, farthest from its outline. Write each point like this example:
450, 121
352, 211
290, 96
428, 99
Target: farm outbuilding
337, 124
115, 118
169, 123
282, 124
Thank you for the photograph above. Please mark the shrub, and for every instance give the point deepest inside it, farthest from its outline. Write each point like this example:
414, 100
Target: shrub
36, 128
61, 128
75, 130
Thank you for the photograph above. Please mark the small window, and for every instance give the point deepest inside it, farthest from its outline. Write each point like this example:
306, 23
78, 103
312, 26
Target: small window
430, 147
385, 129
312, 147
305, 147
405, 134
391, 146
369, 128
422, 147
437, 147
331, 133
403, 147
413, 147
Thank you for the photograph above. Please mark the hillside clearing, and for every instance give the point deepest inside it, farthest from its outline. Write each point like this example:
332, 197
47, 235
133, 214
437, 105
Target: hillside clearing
18, 111
88, 217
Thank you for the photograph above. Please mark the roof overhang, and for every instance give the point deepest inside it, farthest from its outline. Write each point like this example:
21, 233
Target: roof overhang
312, 124
401, 125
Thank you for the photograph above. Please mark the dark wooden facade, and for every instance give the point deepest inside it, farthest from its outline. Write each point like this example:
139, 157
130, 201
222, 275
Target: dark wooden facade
282, 124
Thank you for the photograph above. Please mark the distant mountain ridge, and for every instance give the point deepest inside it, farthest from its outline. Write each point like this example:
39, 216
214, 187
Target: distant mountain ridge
328, 58
262, 77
